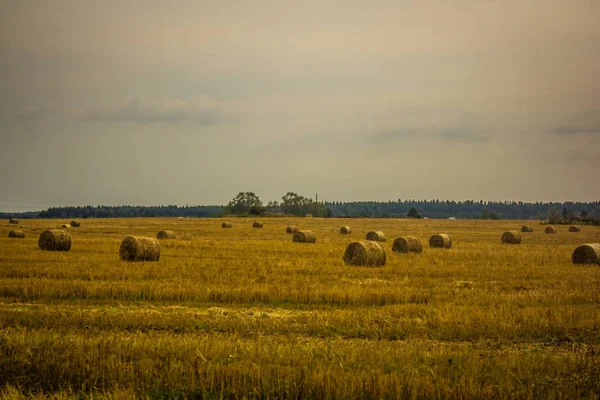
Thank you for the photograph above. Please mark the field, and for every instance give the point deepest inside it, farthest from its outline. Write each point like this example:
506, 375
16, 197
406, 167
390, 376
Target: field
246, 313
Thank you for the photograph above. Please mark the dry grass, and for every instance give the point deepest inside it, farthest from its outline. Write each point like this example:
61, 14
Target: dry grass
304, 237
587, 254
442, 241
407, 244
139, 248
511, 237
245, 312
55, 240
16, 234
376, 236
166, 235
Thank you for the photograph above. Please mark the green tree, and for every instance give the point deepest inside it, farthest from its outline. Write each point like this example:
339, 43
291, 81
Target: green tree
243, 203
413, 213
293, 203
553, 215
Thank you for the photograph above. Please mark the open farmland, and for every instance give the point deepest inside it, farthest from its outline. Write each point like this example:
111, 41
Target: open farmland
246, 313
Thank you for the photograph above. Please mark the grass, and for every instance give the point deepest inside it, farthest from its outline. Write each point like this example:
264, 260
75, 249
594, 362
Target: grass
247, 313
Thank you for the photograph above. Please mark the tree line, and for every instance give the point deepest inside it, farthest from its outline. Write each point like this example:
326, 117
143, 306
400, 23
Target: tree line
249, 203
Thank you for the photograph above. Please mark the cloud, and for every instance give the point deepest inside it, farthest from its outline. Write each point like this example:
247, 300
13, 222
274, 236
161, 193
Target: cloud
389, 135
143, 111
463, 130
460, 134
587, 123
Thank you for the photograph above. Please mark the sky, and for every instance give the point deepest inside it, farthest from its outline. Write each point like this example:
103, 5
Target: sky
190, 102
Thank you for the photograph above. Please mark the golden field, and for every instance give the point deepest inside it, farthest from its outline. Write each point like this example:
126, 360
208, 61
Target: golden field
247, 313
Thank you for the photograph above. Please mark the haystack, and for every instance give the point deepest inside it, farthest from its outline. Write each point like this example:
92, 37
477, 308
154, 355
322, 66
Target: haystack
166, 235
257, 224
75, 224
65, 226
405, 244
304, 237
291, 229
442, 241
16, 234
226, 225
587, 254
345, 230
526, 228
550, 229
55, 240
13, 221
376, 236
138, 248
511, 237
574, 228
365, 253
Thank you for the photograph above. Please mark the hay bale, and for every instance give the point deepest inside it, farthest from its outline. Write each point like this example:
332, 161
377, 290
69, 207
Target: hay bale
308, 216
163, 235
526, 228
365, 253
139, 248
345, 230
75, 224
511, 237
16, 234
442, 241
587, 254
55, 240
13, 221
550, 229
304, 237
574, 228
257, 224
226, 225
376, 236
405, 244
65, 226
291, 229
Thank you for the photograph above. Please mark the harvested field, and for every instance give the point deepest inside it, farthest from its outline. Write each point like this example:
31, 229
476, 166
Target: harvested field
248, 313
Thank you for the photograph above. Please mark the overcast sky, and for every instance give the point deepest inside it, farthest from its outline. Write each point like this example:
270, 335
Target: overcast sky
189, 102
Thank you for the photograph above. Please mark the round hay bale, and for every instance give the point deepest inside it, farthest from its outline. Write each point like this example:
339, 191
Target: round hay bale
511, 237
75, 224
257, 224
345, 230
308, 216
526, 228
55, 240
442, 241
304, 237
16, 234
376, 236
405, 244
550, 229
291, 229
65, 226
226, 225
574, 228
13, 221
166, 235
587, 254
139, 248
365, 253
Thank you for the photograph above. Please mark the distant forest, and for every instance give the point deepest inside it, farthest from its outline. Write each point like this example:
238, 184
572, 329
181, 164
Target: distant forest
301, 206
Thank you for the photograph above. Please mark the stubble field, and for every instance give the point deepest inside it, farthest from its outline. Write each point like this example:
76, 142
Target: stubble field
247, 313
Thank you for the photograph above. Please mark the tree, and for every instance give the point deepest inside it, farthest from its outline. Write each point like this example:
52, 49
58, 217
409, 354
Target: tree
553, 214
243, 202
293, 203
413, 213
